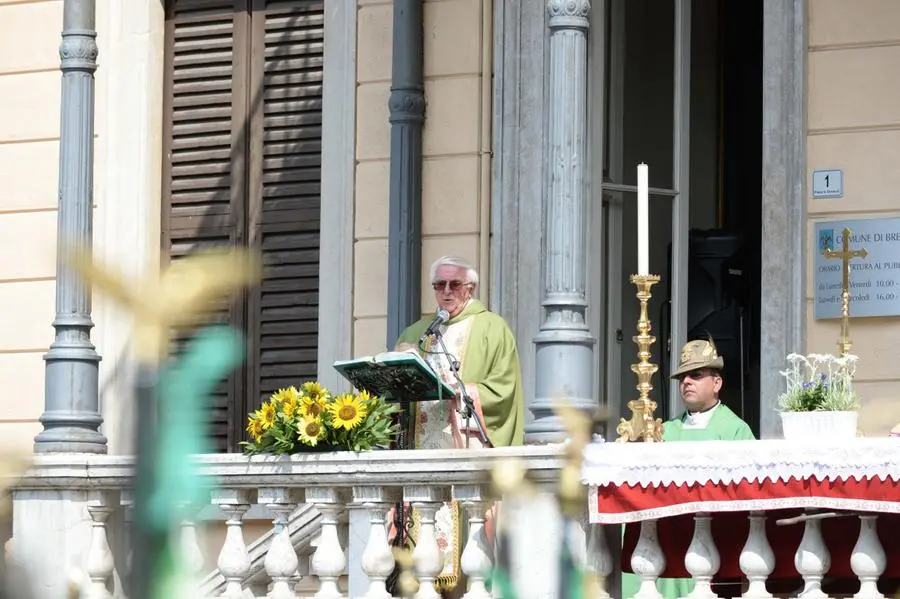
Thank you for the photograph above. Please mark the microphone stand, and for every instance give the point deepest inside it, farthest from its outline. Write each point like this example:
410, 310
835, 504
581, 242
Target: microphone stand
469, 406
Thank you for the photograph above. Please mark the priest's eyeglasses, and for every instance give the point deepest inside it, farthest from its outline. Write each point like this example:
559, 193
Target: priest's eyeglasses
452, 285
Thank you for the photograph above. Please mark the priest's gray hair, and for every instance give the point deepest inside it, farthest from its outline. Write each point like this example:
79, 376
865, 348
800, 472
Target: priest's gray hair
471, 273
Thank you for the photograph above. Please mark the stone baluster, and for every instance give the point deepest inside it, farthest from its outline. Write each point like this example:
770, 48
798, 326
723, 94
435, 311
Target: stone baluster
427, 555
100, 561
281, 560
868, 559
702, 558
234, 559
599, 558
343, 530
329, 560
476, 559
648, 561
190, 544
812, 560
126, 500
757, 560
377, 558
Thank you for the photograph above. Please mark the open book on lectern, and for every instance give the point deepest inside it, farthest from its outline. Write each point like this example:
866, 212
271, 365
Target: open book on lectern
395, 376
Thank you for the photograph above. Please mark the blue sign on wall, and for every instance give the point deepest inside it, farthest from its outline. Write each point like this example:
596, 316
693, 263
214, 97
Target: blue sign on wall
874, 280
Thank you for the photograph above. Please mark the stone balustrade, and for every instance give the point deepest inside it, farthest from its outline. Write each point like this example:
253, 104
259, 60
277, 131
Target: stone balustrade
812, 558
80, 503
71, 512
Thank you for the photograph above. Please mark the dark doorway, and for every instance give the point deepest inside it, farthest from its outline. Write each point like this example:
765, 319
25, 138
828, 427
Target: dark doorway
724, 260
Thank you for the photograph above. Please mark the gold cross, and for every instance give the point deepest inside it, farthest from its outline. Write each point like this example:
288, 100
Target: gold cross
845, 255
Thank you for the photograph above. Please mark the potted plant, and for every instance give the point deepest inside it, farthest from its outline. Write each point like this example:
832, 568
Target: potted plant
819, 401
311, 419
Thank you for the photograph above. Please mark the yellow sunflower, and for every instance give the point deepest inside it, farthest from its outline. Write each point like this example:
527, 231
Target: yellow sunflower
311, 431
255, 428
266, 415
313, 407
365, 397
315, 390
282, 396
290, 407
347, 411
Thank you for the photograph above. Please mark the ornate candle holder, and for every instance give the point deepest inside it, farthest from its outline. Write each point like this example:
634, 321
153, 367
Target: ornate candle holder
642, 425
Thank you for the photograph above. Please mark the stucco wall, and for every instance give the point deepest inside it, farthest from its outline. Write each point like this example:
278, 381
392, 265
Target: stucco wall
127, 131
854, 124
452, 194
29, 136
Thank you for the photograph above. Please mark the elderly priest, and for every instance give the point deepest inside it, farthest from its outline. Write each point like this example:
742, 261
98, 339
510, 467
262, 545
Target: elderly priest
486, 349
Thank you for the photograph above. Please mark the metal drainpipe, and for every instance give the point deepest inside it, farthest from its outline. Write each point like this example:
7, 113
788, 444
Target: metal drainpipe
71, 415
485, 154
407, 115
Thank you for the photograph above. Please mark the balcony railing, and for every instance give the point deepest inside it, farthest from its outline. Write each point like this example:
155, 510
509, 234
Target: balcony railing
328, 534
82, 504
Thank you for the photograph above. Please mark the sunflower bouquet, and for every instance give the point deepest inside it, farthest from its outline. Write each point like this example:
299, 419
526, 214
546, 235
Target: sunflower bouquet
312, 419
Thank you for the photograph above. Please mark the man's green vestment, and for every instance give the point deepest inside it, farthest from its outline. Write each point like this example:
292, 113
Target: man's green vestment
723, 425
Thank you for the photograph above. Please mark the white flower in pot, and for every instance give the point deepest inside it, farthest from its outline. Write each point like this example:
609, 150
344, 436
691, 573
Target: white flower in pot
819, 401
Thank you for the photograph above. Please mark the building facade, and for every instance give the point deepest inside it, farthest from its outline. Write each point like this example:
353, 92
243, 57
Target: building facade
267, 123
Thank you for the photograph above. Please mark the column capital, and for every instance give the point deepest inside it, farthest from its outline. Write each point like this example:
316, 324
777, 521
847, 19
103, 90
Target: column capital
569, 13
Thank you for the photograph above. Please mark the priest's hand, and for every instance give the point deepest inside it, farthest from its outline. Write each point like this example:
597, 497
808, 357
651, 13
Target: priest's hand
407, 347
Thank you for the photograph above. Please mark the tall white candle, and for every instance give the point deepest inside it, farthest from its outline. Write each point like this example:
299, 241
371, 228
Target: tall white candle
643, 218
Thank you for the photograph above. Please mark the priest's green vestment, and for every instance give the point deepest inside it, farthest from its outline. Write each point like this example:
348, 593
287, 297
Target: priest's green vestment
490, 361
723, 425
489, 368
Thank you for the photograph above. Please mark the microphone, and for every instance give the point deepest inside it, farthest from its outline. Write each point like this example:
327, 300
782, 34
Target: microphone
440, 318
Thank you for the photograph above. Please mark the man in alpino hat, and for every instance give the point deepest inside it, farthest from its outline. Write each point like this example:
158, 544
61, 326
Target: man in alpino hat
705, 418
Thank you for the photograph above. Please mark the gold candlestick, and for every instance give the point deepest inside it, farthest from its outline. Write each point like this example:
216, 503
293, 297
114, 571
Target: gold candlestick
642, 426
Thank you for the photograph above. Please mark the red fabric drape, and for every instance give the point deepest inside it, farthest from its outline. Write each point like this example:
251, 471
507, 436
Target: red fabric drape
730, 529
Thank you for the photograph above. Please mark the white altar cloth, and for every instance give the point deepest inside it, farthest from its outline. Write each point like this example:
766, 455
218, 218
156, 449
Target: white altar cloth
728, 462
638, 481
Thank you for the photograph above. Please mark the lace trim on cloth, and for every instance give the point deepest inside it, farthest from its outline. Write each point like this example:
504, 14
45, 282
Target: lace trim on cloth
728, 462
743, 505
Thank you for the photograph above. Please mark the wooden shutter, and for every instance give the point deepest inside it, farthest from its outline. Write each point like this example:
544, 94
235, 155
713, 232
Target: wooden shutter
242, 166
205, 141
286, 74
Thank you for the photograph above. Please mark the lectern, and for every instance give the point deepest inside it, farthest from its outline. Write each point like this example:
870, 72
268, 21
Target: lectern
399, 377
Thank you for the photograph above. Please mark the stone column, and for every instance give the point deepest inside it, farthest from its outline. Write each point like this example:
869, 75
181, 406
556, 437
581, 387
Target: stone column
564, 359
783, 263
71, 415
407, 115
